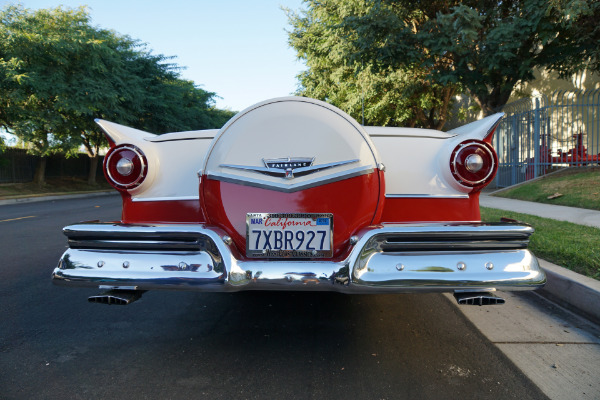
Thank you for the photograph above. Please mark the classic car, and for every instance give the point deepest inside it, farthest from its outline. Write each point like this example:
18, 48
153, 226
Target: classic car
293, 194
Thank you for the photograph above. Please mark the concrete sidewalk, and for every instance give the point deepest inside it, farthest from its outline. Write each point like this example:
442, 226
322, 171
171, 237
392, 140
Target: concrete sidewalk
558, 351
570, 214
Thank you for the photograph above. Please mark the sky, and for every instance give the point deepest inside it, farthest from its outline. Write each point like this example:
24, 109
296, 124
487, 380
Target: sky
237, 49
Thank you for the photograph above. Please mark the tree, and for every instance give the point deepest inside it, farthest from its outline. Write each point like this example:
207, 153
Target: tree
395, 96
59, 73
169, 103
55, 65
485, 47
581, 50
491, 46
218, 116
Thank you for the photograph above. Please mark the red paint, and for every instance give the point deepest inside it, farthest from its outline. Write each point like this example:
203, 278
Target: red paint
395, 210
171, 211
382, 200
576, 156
353, 203
432, 209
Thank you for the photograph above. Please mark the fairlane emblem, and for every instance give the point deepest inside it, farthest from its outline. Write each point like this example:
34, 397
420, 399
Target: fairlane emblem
288, 164
288, 167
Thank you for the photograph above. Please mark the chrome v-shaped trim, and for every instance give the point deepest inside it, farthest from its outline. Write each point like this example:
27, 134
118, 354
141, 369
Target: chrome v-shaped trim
287, 186
286, 174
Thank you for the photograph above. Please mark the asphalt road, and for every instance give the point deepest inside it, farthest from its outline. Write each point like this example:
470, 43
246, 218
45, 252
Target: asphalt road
253, 345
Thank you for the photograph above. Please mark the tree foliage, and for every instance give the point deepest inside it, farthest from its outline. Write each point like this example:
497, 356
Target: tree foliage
580, 49
58, 73
393, 95
483, 47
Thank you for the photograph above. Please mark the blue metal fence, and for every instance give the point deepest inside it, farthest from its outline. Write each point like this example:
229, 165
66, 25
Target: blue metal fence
544, 133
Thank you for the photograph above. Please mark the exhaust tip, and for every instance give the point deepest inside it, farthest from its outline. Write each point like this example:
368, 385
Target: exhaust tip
116, 297
478, 299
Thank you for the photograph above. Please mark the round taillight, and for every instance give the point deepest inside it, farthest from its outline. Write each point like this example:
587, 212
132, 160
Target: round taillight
125, 166
473, 163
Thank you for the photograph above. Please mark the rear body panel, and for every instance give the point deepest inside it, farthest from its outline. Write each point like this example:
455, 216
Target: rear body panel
400, 220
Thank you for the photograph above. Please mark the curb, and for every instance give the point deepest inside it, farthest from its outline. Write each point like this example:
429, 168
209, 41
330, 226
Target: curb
572, 290
569, 289
55, 197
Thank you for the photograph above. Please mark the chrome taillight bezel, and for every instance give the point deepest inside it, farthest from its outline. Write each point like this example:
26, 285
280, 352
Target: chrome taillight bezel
464, 175
134, 178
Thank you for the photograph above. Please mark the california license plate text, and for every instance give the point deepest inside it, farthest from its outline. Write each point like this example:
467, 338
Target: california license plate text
289, 235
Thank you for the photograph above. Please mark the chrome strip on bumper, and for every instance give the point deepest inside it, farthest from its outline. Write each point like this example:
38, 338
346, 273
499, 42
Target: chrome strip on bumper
393, 258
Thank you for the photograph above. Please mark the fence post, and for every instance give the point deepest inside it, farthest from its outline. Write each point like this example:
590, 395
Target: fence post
514, 150
537, 161
12, 162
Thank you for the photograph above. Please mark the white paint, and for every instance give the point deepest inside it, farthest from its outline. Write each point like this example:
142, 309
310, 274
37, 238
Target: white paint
173, 160
416, 160
290, 127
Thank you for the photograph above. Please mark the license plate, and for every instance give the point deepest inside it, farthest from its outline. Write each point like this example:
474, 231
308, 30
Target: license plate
281, 235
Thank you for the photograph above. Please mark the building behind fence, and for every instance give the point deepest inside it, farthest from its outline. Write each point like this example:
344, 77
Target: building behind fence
18, 166
544, 133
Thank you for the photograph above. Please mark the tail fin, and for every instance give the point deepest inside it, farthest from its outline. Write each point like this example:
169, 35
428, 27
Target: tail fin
482, 129
118, 133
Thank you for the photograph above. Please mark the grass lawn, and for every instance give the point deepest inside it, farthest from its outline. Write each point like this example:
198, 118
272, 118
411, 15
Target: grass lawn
580, 187
52, 186
572, 246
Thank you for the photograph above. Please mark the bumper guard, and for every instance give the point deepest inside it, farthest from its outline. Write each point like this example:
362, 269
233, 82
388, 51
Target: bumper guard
390, 258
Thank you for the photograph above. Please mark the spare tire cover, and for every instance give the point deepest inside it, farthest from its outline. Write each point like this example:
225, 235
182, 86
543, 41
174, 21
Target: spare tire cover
292, 155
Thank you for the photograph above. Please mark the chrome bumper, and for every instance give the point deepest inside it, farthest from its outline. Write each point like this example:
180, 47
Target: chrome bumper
393, 258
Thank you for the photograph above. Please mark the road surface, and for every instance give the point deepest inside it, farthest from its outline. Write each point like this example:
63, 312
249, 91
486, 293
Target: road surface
252, 345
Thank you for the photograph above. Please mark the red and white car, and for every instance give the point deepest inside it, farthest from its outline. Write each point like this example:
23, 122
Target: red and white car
294, 194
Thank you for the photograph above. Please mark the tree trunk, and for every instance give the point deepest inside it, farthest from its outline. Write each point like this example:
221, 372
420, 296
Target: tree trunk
93, 170
491, 103
447, 94
39, 177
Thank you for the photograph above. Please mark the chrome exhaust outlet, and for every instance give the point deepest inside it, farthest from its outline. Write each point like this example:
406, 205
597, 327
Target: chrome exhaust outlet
478, 298
118, 297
